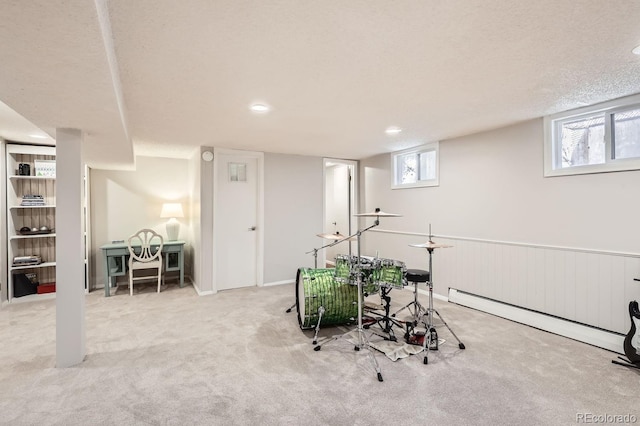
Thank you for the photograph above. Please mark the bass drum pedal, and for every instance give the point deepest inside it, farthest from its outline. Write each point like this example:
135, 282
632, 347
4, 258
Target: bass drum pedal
416, 335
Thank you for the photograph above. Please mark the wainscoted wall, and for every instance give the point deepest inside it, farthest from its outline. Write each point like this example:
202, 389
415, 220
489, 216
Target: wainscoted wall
568, 246
585, 286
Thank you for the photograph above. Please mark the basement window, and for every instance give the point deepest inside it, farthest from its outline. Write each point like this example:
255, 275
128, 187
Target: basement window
415, 167
595, 139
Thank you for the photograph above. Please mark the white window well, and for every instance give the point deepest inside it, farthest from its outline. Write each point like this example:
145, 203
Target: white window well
415, 167
595, 139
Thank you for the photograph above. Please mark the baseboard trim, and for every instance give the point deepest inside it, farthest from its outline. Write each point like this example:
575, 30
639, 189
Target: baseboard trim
425, 293
201, 292
576, 331
290, 281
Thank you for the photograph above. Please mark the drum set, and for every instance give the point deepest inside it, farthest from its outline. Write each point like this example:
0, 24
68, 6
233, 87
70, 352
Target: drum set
335, 296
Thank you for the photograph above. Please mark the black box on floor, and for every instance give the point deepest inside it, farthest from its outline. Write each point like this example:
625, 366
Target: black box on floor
23, 286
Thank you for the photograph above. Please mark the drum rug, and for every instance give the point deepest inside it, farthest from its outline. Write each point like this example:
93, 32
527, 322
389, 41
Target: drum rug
397, 350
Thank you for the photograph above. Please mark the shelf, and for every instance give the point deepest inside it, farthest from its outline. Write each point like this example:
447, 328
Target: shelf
19, 216
21, 237
41, 265
33, 207
33, 297
19, 177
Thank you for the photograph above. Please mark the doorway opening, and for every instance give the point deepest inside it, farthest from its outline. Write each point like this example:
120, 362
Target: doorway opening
340, 201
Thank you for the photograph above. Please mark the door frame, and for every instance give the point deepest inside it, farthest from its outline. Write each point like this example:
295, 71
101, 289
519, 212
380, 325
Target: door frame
259, 156
353, 221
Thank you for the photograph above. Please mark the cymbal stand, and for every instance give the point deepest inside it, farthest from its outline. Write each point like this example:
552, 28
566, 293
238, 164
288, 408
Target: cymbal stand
431, 337
363, 341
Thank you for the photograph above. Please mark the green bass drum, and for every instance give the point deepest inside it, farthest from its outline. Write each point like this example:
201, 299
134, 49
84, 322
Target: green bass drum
317, 288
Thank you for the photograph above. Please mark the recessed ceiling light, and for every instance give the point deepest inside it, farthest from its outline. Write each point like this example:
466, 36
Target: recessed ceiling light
636, 50
38, 136
393, 130
259, 108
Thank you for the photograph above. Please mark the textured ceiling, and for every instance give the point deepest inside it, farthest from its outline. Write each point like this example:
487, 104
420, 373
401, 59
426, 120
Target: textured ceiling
169, 76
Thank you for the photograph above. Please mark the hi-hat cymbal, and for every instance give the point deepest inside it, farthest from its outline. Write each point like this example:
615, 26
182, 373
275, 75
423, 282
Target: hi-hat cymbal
336, 236
430, 245
377, 213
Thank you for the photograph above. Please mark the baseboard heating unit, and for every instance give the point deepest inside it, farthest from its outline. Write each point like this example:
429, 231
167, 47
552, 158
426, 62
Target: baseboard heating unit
573, 330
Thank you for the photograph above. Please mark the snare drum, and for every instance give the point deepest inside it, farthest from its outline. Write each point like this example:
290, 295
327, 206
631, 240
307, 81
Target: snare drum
390, 273
318, 287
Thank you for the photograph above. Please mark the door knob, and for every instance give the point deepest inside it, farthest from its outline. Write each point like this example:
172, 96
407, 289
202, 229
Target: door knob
253, 228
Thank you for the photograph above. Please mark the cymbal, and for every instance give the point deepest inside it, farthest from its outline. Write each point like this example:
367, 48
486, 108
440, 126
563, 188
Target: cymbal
430, 245
336, 236
377, 213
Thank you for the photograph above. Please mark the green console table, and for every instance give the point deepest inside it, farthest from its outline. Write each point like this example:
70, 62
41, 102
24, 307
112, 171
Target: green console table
116, 258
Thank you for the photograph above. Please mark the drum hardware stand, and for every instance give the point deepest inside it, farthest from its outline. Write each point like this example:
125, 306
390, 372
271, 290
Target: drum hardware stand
431, 337
385, 322
363, 341
418, 311
320, 313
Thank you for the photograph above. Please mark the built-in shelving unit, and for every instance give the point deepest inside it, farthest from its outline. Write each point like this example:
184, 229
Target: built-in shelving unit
31, 226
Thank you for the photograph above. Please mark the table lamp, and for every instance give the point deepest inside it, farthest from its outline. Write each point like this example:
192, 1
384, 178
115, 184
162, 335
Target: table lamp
172, 211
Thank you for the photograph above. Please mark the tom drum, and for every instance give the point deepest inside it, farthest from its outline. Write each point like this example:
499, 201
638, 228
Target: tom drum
390, 273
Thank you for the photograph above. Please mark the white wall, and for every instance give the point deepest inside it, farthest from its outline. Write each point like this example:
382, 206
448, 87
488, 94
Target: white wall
293, 214
492, 189
491, 186
122, 202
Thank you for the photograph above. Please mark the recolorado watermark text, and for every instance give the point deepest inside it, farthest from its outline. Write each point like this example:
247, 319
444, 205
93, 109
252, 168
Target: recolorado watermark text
590, 418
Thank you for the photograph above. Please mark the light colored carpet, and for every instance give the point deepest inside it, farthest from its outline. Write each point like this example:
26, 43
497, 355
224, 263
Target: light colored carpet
236, 358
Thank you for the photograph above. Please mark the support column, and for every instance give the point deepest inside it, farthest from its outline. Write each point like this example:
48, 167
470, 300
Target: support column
70, 291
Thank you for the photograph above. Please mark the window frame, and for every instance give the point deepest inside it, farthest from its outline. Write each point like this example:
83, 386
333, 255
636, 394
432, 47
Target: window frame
553, 147
429, 147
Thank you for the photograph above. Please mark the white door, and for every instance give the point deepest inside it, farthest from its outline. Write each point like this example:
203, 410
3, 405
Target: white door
236, 220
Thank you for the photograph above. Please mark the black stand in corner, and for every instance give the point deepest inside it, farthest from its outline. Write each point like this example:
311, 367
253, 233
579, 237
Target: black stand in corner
632, 341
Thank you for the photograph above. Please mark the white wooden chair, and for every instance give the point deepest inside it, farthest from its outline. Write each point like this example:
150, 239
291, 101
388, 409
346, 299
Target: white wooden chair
147, 257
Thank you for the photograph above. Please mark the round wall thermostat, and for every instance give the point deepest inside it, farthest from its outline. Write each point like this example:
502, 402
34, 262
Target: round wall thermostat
207, 156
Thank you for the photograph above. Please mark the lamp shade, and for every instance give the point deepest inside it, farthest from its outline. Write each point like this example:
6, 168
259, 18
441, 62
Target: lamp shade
171, 210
